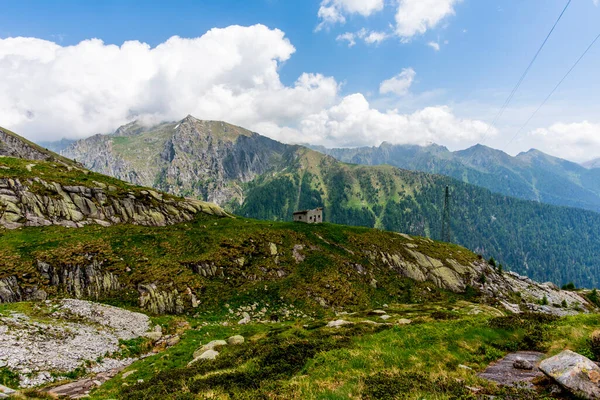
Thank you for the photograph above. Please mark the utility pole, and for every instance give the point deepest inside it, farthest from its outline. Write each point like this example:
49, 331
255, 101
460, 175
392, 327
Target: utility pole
446, 236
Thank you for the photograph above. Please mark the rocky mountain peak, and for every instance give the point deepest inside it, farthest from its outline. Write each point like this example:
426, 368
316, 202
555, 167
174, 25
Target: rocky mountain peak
13, 145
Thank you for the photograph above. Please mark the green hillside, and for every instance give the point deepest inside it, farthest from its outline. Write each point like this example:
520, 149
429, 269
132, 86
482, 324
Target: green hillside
545, 242
257, 177
532, 175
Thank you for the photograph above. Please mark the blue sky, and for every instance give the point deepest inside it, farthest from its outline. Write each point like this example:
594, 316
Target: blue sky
460, 64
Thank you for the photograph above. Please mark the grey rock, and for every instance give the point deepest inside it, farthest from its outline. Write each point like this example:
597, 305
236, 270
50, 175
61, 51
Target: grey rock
237, 339
338, 323
521, 363
575, 373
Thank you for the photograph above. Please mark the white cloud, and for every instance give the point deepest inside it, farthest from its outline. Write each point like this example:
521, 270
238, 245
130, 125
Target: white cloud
596, 2
49, 91
353, 122
434, 45
375, 37
334, 11
578, 141
415, 17
369, 37
399, 84
349, 37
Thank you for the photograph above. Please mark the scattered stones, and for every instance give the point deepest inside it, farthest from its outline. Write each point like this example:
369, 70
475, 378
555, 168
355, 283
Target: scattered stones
403, 321
338, 323
521, 363
503, 371
377, 312
246, 319
465, 367
237, 339
209, 346
82, 331
385, 317
574, 372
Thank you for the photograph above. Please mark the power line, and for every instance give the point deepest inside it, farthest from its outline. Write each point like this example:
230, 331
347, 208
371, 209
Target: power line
512, 93
554, 90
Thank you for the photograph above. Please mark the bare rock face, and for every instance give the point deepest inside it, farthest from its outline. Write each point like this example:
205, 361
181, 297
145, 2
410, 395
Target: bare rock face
12, 145
205, 159
574, 372
37, 202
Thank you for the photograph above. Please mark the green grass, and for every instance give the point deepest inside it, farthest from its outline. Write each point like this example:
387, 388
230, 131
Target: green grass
169, 256
295, 361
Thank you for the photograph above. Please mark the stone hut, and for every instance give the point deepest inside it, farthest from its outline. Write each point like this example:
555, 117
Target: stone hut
309, 216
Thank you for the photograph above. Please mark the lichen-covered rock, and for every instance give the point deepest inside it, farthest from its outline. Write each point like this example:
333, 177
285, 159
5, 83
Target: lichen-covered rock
209, 346
39, 202
574, 372
237, 339
159, 301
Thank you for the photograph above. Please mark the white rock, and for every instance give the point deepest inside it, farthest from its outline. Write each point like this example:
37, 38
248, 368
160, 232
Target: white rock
338, 323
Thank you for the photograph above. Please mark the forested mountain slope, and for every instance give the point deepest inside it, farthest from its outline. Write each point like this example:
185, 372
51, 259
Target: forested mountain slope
532, 175
260, 178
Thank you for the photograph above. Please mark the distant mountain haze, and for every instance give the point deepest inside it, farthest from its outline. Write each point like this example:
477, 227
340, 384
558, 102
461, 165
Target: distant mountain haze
595, 163
257, 177
531, 175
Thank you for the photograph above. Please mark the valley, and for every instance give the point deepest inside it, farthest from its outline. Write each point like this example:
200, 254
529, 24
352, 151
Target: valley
256, 177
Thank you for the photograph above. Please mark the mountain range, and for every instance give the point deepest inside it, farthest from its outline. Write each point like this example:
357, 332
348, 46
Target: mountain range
530, 175
595, 163
254, 176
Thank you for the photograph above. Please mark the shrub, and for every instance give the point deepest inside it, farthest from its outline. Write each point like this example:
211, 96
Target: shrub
594, 298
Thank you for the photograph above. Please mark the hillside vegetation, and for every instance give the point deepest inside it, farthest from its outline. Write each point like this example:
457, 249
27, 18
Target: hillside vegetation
260, 178
531, 175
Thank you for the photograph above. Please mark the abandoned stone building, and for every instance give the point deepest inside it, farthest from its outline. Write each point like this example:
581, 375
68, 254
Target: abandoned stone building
309, 216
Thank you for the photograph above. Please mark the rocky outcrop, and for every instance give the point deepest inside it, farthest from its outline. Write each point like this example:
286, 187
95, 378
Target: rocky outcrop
574, 372
507, 287
206, 159
160, 301
37, 202
10, 291
80, 281
12, 145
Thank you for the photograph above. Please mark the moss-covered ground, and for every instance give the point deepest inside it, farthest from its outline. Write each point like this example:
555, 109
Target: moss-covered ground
436, 356
256, 261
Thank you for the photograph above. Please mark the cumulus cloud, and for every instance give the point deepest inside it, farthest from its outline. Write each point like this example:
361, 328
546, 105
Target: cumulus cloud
49, 91
578, 141
415, 17
332, 12
353, 122
369, 37
399, 84
434, 45
347, 37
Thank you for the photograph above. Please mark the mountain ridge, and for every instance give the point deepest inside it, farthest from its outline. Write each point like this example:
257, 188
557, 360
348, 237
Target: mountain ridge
531, 175
257, 177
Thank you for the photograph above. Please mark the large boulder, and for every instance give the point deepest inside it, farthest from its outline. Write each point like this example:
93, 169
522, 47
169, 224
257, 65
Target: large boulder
574, 372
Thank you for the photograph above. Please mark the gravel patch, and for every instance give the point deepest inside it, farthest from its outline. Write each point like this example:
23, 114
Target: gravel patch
80, 331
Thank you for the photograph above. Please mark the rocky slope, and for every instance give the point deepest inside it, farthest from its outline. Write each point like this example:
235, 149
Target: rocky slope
38, 188
256, 177
205, 159
209, 262
58, 338
13, 145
